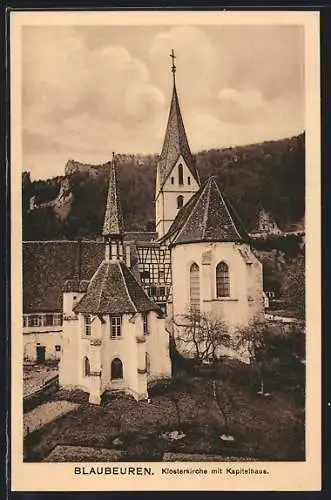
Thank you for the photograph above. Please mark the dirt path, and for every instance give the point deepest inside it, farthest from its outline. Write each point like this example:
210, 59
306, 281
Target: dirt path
45, 413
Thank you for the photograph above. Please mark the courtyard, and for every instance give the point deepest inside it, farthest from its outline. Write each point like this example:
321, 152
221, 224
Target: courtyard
181, 419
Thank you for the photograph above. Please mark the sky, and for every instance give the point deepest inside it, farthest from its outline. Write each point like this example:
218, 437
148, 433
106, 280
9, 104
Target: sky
90, 90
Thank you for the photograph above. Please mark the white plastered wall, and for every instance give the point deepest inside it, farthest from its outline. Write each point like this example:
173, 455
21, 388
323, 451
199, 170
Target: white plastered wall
245, 300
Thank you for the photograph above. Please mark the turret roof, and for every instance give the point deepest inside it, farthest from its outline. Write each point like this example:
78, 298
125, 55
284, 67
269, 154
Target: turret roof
208, 216
113, 222
175, 143
114, 290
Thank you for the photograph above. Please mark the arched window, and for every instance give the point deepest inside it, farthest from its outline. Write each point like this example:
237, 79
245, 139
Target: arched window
116, 369
222, 280
180, 201
189, 180
86, 366
195, 287
180, 174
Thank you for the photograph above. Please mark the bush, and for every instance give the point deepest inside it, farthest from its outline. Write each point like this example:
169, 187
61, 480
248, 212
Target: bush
159, 387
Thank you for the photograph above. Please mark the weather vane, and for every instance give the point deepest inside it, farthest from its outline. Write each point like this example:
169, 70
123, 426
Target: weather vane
173, 67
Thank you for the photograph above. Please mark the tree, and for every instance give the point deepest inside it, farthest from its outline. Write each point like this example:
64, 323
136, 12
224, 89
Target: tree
293, 289
201, 333
255, 340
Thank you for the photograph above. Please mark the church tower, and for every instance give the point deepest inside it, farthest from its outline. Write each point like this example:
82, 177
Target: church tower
177, 178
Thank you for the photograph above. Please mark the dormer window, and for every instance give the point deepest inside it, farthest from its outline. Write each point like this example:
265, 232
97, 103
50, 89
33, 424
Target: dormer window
180, 174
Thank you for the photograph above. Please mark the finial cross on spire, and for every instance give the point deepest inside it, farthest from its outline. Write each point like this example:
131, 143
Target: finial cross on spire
173, 67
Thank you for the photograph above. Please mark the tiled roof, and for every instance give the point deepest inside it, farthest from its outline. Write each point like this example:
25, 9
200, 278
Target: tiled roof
140, 236
113, 222
175, 144
47, 265
75, 285
208, 216
114, 290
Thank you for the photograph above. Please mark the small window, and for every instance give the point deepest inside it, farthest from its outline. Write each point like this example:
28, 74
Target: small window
189, 181
222, 280
144, 275
87, 325
180, 201
48, 320
153, 291
162, 291
163, 307
147, 363
180, 174
172, 179
58, 348
116, 326
145, 322
86, 367
116, 369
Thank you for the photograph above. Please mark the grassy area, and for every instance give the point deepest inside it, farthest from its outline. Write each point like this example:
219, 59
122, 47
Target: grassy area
264, 428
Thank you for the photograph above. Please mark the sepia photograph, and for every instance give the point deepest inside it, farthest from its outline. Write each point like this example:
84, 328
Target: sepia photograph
164, 313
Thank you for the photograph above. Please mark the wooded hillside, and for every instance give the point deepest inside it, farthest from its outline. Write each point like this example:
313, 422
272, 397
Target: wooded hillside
269, 175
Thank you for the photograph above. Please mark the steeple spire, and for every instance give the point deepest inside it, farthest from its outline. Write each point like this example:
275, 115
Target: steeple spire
175, 140
113, 222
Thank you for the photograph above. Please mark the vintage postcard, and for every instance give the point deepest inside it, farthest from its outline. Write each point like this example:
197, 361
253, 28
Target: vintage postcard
165, 251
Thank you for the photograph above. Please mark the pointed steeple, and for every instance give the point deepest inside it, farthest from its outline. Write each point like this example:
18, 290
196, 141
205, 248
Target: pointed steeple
175, 140
112, 230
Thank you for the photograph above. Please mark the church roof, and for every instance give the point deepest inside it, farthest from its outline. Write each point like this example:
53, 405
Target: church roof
47, 265
114, 290
113, 222
175, 143
208, 216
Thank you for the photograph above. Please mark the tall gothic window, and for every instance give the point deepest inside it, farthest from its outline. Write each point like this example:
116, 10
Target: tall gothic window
86, 366
180, 174
116, 371
195, 287
222, 280
180, 201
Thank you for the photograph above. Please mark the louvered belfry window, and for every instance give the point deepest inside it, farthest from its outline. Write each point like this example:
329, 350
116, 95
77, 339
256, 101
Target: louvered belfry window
195, 287
222, 280
180, 174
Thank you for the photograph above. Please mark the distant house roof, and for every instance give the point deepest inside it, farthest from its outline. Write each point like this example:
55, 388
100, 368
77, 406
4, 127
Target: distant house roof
114, 290
208, 216
175, 143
